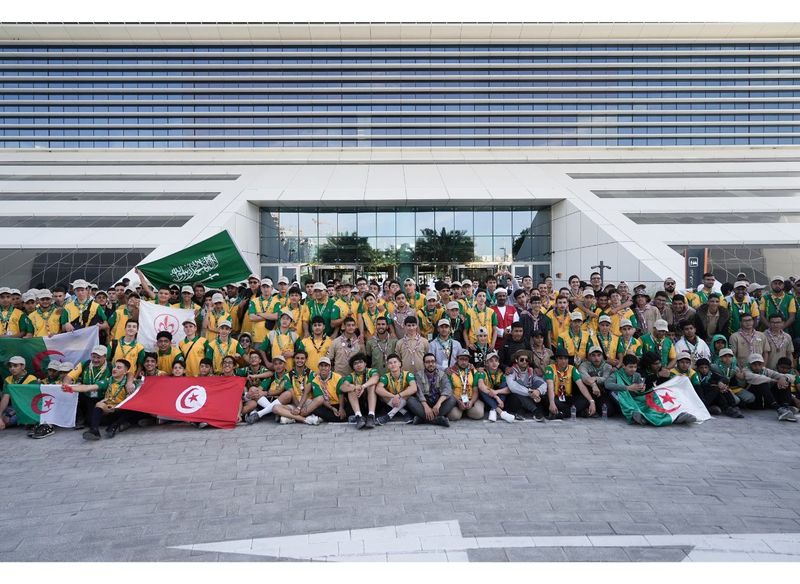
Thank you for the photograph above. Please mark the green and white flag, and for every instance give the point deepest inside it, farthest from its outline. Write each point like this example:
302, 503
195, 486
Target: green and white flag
74, 347
43, 404
215, 261
662, 404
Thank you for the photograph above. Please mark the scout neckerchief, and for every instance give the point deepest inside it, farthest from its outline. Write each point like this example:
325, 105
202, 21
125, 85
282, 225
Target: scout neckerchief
485, 313
576, 344
627, 347
778, 305
448, 350
605, 344
396, 385
227, 346
563, 379
46, 317
370, 318
384, 348
323, 383
5, 319
299, 381
774, 340
278, 334
322, 344
348, 345
317, 309
131, 346
93, 374
750, 340
417, 341
495, 378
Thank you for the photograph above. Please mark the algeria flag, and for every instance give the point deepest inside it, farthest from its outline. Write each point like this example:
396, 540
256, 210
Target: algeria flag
43, 404
665, 402
38, 351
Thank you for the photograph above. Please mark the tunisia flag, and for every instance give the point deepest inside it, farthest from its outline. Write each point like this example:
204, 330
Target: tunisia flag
214, 400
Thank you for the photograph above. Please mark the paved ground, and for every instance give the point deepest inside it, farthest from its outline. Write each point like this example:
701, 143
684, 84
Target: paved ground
137, 496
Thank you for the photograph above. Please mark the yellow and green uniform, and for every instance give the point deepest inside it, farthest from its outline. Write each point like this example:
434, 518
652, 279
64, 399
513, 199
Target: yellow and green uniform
214, 318
416, 300
369, 319
626, 314
166, 360
280, 382
476, 318
330, 389
632, 346
119, 318
329, 312
233, 308
299, 383
194, 350
360, 379
493, 381
297, 318
259, 305
396, 385
428, 320
82, 314
45, 322
316, 350
691, 374
277, 342
697, 299
562, 380
576, 344
245, 371
348, 308
665, 348
608, 343
463, 382
559, 324
25, 379
191, 306
9, 321
737, 311
133, 352
87, 374
782, 303
466, 305
116, 392
220, 350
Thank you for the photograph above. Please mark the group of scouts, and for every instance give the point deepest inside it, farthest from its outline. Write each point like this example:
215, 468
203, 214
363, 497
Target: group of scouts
370, 353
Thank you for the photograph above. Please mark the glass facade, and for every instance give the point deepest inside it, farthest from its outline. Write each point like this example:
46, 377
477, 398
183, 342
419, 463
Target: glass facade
336, 95
386, 236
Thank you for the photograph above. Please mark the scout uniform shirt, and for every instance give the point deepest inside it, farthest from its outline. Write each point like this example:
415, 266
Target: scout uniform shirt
329, 311
298, 383
277, 342
194, 350
246, 371
348, 308
165, 361
665, 348
133, 352
119, 318
562, 380
330, 389
45, 323
316, 350
259, 305
560, 324
9, 321
428, 320
360, 378
783, 304
396, 385
576, 345
297, 318
691, 374
21, 380
115, 392
278, 384
81, 315
87, 374
220, 350
633, 346
492, 380
608, 343
416, 300
626, 314
464, 383
214, 318
369, 319
737, 310
486, 318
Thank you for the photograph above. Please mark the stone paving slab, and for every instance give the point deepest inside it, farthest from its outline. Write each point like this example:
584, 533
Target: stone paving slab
136, 496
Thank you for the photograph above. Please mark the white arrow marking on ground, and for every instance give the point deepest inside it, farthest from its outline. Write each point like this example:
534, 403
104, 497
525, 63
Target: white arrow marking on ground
441, 541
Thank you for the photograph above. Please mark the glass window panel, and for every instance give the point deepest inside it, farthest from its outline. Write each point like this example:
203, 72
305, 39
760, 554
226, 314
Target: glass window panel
289, 249
347, 223
405, 249
367, 224
445, 220
483, 222
386, 223
305, 251
307, 224
521, 220
326, 224
541, 222
270, 249
386, 251
270, 222
405, 224
502, 223
502, 248
463, 221
424, 221
288, 223
483, 249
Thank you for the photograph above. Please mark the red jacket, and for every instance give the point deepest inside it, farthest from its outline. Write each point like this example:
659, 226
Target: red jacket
503, 322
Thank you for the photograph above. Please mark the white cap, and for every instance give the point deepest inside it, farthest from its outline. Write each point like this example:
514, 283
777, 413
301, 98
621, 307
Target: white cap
287, 312
443, 321
100, 350
5, 290
588, 292
604, 318
753, 287
453, 304
66, 366
662, 325
625, 322
282, 358
320, 286
45, 293
14, 291
93, 285
726, 351
576, 316
266, 282
500, 291
456, 283
776, 278
595, 349
28, 296
80, 284
755, 358
466, 282
431, 296
323, 360
253, 277
409, 281
283, 280
17, 360
683, 355
54, 364
188, 289
217, 298
189, 321
226, 323
740, 284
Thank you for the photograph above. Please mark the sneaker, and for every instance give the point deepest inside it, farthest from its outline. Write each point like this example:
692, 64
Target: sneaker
285, 420
370, 421
89, 435
416, 420
684, 418
734, 412
493, 416
441, 421
786, 415
795, 411
43, 431
123, 426
538, 416
112, 430
639, 418
312, 420
715, 411
352, 419
506, 417
382, 420
31, 430
252, 418
145, 422
361, 423
519, 417
202, 425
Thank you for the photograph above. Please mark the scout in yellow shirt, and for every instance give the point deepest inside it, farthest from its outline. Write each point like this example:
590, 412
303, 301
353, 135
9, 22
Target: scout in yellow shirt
166, 353
46, 318
194, 348
214, 316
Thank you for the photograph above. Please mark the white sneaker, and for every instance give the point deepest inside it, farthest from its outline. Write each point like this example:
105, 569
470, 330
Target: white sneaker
287, 420
312, 420
507, 417
493, 416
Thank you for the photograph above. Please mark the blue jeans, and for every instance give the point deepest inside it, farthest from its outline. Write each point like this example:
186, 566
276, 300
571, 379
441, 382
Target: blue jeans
490, 402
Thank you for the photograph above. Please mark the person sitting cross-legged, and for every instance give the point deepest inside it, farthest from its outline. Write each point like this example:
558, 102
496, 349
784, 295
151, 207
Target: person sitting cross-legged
562, 378
493, 388
395, 387
465, 390
360, 389
434, 398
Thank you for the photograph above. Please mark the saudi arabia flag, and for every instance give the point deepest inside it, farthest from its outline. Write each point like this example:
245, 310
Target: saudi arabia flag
38, 351
662, 404
43, 404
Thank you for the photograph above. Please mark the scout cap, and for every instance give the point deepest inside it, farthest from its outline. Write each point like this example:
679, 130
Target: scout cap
443, 322
66, 367
726, 351
283, 280
282, 358
287, 312
453, 304
319, 286
683, 355
14, 291
576, 316
189, 321
217, 298
431, 296
5, 290
588, 292
466, 283
80, 284
492, 355
409, 281
595, 349
661, 325
604, 318
225, 323
323, 360
753, 287
777, 279
27, 296
187, 289
625, 322
266, 282
755, 358
100, 350
740, 284
16, 360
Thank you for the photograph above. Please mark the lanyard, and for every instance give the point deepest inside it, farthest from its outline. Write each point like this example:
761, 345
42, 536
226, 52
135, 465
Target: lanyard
396, 385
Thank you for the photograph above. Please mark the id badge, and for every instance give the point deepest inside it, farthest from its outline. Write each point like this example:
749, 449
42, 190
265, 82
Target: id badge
445, 364
430, 337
